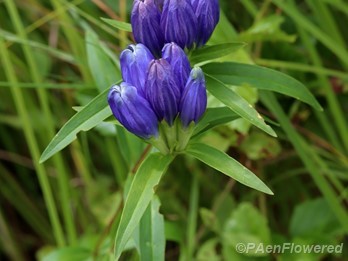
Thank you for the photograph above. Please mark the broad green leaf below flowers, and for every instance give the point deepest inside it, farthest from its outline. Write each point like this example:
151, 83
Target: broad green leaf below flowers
227, 165
151, 233
237, 104
239, 74
90, 116
139, 196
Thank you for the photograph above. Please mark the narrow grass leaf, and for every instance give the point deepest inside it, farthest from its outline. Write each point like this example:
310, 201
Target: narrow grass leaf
140, 194
237, 104
314, 163
118, 24
227, 165
262, 78
52, 51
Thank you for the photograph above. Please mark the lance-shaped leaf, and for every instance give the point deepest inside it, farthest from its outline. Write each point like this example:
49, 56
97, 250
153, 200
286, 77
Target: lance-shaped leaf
262, 78
90, 116
139, 196
227, 165
237, 104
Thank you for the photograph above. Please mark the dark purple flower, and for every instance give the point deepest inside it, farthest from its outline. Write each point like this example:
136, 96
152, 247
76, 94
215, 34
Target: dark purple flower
208, 14
162, 91
179, 62
145, 20
134, 62
194, 98
179, 23
133, 111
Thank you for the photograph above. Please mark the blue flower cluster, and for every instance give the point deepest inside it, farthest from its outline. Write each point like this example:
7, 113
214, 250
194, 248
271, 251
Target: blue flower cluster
188, 23
162, 97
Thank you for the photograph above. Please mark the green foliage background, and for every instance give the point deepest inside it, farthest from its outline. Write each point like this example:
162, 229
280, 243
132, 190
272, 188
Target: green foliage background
56, 56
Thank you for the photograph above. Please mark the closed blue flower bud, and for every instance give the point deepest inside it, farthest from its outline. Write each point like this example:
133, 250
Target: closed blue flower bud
179, 23
133, 111
194, 99
162, 92
208, 14
179, 62
145, 20
134, 62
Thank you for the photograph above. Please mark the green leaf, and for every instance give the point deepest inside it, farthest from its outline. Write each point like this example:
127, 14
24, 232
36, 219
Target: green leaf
314, 218
207, 53
69, 254
246, 226
103, 70
90, 116
152, 237
262, 78
208, 251
139, 196
237, 104
214, 117
118, 24
227, 165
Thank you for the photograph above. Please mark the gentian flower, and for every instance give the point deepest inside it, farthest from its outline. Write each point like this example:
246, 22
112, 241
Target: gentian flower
179, 23
162, 91
145, 20
208, 14
194, 98
188, 23
159, 98
179, 62
133, 111
134, 63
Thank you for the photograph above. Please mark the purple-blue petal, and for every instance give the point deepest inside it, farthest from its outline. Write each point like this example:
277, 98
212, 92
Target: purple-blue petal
145, 20
179, 23
179, 62
194, 99
134, 62
133, 111
162, 91
208, 14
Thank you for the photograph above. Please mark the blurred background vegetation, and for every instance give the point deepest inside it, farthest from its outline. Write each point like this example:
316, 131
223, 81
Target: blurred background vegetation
56, 55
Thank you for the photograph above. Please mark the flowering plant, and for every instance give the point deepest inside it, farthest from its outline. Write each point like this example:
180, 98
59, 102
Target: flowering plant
163, 99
